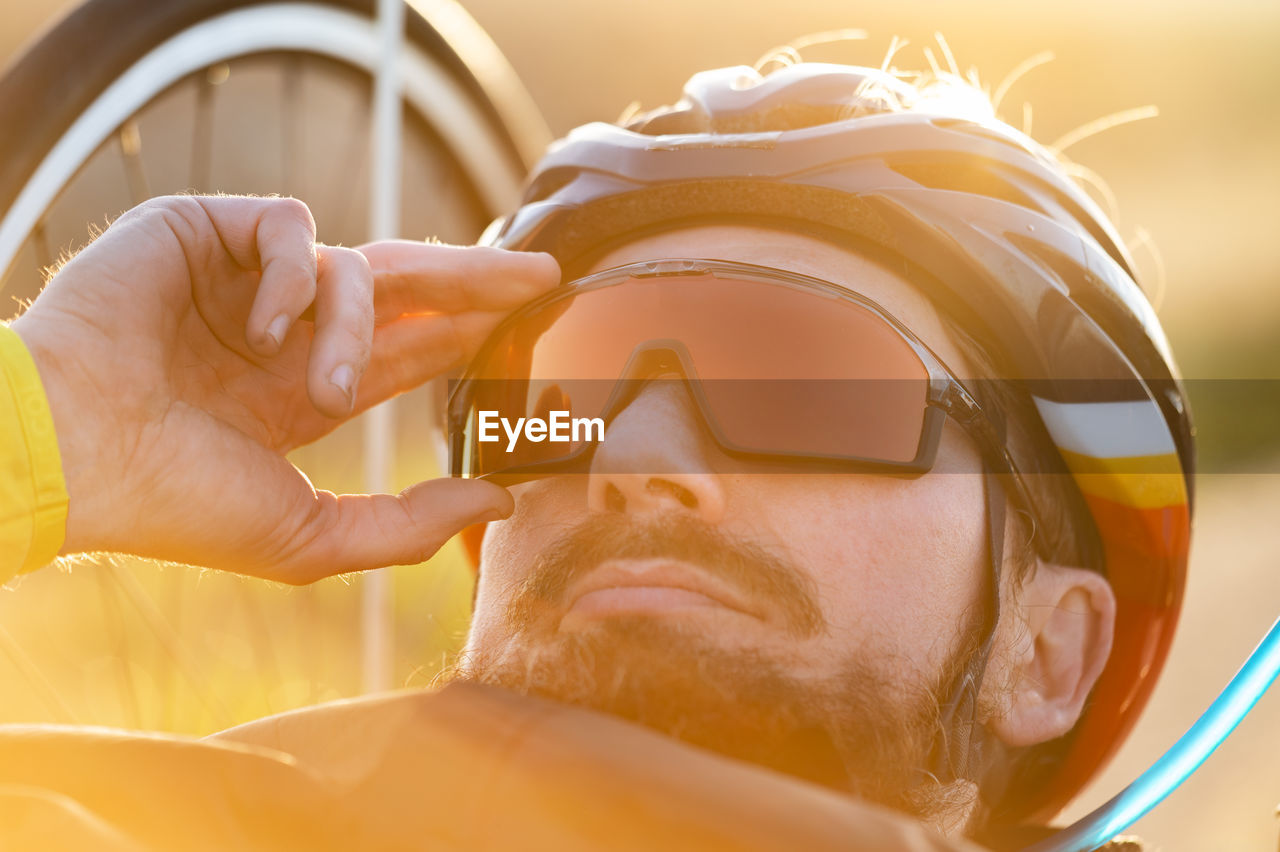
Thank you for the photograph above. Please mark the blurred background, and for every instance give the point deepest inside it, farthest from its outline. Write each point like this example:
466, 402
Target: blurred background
171, 648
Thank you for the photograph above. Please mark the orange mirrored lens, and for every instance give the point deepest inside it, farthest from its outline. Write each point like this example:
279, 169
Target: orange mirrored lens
780, 369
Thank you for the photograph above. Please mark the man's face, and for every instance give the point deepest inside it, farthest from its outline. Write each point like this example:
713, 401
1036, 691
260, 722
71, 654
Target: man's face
806, 621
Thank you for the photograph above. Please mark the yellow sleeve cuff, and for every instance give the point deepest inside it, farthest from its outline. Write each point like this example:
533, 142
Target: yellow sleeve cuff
33, 494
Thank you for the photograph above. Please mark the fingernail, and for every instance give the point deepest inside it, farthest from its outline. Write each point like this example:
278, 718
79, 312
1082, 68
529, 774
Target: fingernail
343, 378
277, 329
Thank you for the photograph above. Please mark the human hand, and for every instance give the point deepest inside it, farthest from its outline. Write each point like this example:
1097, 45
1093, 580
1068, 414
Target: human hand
179, 372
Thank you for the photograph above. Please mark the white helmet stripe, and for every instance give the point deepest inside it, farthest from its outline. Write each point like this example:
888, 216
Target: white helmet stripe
1107, 430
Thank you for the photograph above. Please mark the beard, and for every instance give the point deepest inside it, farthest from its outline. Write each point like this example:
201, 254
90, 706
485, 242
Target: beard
856, 730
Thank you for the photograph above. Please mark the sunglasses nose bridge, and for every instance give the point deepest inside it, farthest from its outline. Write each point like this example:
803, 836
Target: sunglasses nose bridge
654, 459
651, 360
658, 357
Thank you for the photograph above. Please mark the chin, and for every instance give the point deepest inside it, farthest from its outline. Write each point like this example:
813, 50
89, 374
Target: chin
846, 732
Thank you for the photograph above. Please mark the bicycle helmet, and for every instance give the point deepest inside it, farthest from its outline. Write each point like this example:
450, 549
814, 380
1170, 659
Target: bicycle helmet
995, 232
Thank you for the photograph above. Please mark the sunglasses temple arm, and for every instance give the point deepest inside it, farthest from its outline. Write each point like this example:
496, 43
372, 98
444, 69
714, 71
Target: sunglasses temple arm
960, 405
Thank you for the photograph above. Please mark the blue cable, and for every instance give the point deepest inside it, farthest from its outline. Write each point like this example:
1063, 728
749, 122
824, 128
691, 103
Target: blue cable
1164, 776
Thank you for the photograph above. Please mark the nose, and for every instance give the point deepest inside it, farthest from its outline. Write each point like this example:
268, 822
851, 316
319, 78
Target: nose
653, 459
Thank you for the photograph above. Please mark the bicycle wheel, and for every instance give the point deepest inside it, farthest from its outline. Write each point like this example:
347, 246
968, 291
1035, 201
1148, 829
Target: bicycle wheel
122, 101
126, 99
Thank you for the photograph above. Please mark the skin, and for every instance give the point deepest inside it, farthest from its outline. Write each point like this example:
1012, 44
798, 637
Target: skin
806, 516
895, 563
180, 369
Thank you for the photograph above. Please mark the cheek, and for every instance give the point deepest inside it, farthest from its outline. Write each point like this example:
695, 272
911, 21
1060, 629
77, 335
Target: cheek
897, 562
542, 515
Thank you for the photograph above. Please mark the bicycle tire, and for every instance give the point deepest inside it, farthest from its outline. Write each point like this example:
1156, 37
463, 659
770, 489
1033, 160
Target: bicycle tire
69, 71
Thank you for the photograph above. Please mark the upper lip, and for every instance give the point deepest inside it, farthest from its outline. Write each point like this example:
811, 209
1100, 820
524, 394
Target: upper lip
659, 572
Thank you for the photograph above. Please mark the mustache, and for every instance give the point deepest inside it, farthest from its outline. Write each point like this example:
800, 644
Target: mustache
764, 577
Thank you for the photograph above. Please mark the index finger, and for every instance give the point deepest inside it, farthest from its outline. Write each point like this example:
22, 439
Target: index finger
412, 277
276, 236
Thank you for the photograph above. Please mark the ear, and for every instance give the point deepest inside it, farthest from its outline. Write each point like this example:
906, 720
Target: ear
1068, 620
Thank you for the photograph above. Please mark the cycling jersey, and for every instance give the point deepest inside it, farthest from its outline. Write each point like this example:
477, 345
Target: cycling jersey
468, 767
33, 496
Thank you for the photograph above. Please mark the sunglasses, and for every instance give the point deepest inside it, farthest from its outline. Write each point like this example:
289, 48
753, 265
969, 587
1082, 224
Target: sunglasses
787, 372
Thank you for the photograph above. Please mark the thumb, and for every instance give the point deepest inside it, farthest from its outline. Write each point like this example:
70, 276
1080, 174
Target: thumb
357, 532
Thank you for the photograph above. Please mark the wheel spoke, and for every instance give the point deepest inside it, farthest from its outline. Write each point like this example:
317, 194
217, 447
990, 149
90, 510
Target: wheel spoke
207, 83
130, 140
291, 136
40, 243
355, 151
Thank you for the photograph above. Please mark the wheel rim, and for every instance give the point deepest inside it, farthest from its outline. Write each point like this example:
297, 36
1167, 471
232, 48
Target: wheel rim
471, 171
334, 33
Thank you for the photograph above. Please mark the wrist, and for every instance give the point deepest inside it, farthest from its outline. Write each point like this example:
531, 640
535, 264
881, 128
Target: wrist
75, 448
